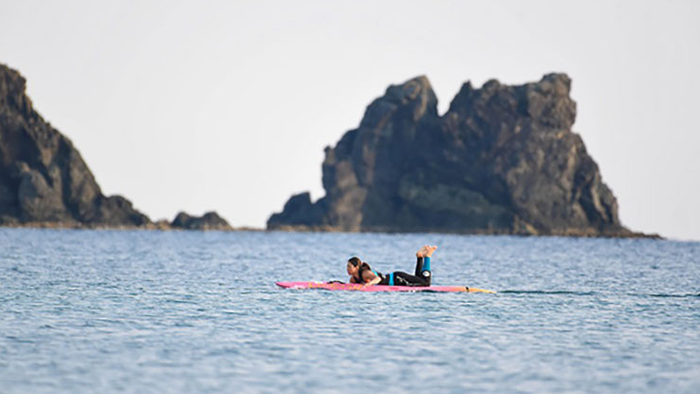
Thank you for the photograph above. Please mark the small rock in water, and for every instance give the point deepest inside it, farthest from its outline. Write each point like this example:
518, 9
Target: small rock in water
209, 221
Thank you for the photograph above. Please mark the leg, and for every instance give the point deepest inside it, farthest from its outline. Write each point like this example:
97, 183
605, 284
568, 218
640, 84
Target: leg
423, 263
423, 270
404, 279
419, 266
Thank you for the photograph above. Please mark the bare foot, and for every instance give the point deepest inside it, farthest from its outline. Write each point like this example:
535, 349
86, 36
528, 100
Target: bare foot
422, 251
430, 250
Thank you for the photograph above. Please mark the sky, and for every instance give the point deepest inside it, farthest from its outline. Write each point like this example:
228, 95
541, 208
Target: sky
227, 106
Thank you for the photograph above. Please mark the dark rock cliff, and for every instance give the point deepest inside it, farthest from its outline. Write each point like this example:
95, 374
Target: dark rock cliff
502, 160
208, 221
43, 179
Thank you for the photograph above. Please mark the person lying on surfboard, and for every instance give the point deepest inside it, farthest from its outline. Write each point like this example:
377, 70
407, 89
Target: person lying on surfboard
361, 272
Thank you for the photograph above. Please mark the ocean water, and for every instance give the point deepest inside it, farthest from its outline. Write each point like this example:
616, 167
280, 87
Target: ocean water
198, 312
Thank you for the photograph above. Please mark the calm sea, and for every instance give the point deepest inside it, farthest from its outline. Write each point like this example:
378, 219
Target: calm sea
198, 312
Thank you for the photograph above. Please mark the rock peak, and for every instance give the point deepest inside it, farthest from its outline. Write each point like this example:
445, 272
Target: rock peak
411, 88
12, 93
43, 178
415, 97
417, 88
502, 160
561, 78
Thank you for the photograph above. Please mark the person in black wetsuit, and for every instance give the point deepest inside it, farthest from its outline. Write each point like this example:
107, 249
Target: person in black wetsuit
361, 272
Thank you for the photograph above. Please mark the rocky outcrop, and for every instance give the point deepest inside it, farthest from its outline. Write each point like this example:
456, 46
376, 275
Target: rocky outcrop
502, 160
43, 178
209, 221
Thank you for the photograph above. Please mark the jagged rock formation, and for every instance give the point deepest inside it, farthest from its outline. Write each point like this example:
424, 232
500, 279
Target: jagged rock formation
43, 179
502, 160
209, 221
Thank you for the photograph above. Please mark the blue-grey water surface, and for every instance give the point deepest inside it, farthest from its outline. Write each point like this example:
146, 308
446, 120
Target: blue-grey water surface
198, 312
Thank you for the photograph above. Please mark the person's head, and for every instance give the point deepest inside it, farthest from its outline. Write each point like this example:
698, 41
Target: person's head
353, 265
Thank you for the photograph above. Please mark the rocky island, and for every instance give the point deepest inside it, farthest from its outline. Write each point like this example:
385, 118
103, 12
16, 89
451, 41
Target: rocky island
502, 160
44, 181
208, 221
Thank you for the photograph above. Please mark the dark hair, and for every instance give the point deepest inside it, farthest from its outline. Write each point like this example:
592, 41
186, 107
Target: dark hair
355, 261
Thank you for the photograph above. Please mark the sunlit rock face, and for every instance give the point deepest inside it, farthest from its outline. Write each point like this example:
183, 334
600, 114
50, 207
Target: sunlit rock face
502, 160
43, 178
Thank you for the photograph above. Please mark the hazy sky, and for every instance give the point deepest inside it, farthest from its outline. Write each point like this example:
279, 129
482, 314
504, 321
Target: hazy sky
227, 106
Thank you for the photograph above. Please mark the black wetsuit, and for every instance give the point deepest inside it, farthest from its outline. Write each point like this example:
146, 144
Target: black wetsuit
421, 278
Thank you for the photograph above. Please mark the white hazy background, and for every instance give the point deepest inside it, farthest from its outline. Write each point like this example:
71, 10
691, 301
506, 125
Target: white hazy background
227, 106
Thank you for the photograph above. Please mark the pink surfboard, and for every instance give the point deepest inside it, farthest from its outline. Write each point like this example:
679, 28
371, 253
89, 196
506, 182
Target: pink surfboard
377, 288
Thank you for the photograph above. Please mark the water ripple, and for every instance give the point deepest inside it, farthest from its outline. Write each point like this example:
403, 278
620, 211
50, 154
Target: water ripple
172, 312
